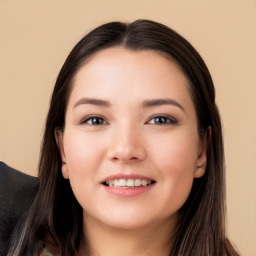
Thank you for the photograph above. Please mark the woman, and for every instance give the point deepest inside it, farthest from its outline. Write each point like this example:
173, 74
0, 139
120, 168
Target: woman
132, 155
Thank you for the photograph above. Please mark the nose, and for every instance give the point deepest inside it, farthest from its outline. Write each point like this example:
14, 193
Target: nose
126, 145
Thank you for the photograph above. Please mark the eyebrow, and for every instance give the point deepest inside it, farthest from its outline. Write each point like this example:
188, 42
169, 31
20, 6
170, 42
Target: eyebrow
145, 104
96, 102
160, 102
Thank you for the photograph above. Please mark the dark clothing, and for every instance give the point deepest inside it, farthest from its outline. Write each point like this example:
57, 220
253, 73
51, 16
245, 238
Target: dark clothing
17, 191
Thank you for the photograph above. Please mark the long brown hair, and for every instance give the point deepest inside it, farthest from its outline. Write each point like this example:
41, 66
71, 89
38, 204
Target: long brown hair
55, 218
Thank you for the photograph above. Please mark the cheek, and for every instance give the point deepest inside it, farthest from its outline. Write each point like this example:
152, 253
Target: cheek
176, 159
177, 152
83, 157
81, 150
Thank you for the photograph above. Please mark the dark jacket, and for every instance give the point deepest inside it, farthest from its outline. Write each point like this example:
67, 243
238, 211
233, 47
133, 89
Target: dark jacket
17, 191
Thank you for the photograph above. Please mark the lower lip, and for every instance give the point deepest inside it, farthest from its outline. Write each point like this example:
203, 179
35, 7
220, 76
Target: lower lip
128, 192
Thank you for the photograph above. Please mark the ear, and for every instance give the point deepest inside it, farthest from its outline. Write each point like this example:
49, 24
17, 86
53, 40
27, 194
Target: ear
202, 154
59, 140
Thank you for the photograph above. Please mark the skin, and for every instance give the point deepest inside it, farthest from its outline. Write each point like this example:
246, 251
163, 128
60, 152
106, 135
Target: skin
130, 140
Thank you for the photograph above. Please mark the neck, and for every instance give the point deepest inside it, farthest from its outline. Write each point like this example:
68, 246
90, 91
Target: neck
104, 240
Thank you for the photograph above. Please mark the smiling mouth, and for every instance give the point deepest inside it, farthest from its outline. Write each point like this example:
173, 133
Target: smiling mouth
128, 183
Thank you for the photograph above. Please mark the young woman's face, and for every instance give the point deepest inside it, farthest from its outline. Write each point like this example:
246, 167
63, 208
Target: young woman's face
130, 142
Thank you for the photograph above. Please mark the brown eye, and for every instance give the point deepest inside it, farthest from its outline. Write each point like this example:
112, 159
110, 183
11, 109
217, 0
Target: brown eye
162, 120
94, 120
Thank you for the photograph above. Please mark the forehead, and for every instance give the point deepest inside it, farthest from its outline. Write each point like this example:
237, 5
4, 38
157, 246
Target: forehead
122, 71
142, 61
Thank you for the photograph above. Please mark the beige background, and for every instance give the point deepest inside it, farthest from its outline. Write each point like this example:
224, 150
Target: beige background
36, 36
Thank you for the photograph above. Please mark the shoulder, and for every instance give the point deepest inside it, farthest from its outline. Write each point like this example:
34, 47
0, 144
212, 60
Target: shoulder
12, 174
16, 188
17, 191
15, 184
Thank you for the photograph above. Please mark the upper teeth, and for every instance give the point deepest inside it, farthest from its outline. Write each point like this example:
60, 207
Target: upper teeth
128, 183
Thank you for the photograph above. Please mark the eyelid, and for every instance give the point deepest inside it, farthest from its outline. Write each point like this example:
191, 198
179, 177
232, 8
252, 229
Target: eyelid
90, 117
172, 120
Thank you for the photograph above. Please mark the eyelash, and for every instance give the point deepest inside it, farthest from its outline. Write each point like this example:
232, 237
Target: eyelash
89, 120
167, 120
162, 120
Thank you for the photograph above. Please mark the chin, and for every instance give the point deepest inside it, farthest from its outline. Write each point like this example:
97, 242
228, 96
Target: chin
131, 221
128, 225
